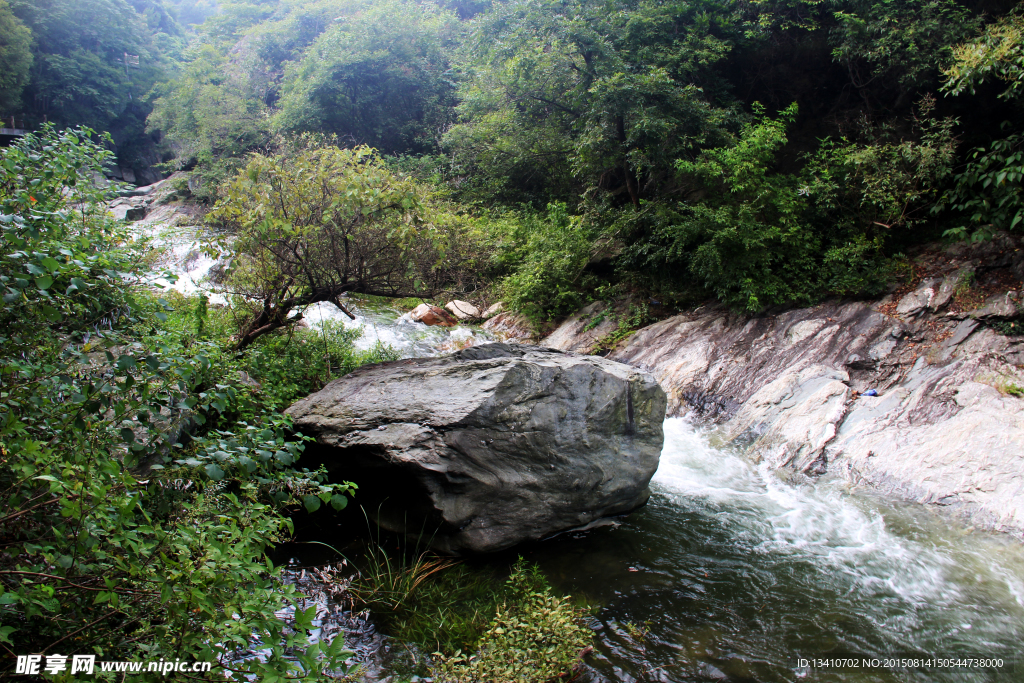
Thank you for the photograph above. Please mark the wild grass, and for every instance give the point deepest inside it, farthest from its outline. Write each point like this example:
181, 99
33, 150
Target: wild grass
439, 603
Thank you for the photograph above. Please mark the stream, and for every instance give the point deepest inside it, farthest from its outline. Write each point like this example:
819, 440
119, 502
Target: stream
733, 573
736, 573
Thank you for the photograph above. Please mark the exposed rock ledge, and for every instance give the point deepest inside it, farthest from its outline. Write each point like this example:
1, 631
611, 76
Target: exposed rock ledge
944, 428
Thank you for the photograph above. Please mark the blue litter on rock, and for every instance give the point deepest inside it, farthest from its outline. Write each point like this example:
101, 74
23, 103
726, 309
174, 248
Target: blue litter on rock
870, 392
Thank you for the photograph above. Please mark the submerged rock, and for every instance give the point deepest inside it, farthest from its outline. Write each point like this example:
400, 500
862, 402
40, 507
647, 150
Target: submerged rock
490, 446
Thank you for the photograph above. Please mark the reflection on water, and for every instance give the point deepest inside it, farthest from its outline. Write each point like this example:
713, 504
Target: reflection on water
735, 574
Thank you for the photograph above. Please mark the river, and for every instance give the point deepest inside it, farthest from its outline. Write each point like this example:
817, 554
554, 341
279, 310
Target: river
734, 572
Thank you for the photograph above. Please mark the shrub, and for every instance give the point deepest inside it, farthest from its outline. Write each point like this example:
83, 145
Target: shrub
534, 637
115, 538
760, 237
544, 257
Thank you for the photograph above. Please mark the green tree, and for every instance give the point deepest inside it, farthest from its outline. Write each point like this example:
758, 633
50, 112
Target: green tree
319, 222
998, 53
378, 75
990, 188
759, 237
15, 58
890, 49
79, 75
566, 96
96, 558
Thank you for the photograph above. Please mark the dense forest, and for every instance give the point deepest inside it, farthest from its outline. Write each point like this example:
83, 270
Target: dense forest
760, 153
547, 153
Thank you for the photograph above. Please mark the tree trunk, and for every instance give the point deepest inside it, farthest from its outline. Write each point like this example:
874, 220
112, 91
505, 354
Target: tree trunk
276, 317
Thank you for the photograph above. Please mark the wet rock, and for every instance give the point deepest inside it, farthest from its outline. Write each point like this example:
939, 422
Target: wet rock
490, 446
511, 327
794, 418
463, 310
783, 386
965, 450
128, 209
493, 310
432, 315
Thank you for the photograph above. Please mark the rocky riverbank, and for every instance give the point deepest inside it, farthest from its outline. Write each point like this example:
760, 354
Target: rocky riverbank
920, 394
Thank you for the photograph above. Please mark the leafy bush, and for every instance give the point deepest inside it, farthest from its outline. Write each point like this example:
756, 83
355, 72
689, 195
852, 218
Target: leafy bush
990, 190
759, 238
117, 539
546, 256
534, 637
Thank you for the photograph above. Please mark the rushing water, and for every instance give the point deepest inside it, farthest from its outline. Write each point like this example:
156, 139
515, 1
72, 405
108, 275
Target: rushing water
733, 573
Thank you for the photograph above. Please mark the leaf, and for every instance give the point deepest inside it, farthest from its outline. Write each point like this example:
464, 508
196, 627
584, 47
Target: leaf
312, 503
214, 472
127, 435
339, 502
44, 282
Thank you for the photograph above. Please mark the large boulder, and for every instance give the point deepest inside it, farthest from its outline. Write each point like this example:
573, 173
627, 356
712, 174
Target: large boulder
490, 446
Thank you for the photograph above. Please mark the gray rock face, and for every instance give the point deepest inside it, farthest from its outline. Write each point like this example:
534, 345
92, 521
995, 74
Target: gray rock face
921, 298
947, 426
584, 328
493, 445
511, 327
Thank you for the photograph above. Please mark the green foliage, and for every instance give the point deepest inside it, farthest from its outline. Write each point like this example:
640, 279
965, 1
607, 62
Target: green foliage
891, 181
998, 53
79, 75
569, 97
990, 189
902, 43
321, 221
544, 257
534, 637
118, 539
415, 597
15, 58
378, 75
211, 115
762, 238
